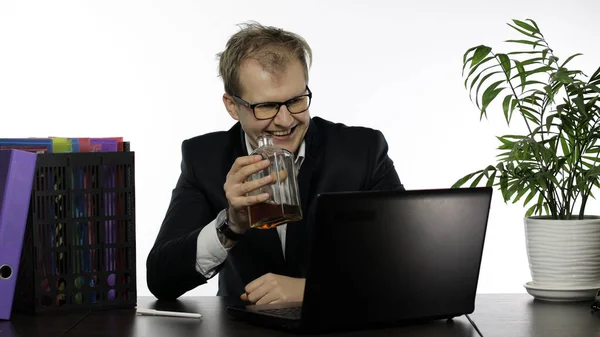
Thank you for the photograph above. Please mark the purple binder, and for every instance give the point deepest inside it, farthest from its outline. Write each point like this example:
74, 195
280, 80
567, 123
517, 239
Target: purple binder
17, 169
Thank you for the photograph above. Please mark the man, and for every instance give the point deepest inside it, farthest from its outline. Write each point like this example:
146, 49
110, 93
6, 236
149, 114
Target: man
206, 230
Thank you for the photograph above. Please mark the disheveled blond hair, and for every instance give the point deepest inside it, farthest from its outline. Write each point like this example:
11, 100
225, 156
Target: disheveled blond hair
272, 47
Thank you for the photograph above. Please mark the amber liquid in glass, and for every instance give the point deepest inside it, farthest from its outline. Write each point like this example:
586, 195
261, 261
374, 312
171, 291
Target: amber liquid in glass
273, 215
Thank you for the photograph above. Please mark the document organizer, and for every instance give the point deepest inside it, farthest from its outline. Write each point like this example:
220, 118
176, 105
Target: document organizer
79, 246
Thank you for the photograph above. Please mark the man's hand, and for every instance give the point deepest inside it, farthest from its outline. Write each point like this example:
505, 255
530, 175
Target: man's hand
272, 288
236, 187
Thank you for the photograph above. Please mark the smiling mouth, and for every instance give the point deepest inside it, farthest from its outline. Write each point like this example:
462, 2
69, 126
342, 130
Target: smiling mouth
283, 133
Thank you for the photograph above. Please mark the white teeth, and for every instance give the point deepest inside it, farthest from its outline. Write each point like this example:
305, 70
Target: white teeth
281, 133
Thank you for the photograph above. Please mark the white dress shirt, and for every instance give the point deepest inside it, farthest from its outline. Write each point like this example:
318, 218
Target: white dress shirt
210, 253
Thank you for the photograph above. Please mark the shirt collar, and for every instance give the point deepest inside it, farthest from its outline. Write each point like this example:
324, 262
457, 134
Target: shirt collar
299, 158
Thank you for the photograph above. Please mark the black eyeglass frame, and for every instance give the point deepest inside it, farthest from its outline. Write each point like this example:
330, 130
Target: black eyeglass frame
279, 104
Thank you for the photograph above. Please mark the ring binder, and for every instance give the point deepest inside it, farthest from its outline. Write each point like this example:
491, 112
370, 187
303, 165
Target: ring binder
16, 178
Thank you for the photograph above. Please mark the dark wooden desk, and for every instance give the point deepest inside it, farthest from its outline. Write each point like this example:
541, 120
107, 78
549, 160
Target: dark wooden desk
519, 315
54, 324
495, 315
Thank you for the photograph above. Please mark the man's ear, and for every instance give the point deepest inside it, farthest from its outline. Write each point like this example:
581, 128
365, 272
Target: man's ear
230, 106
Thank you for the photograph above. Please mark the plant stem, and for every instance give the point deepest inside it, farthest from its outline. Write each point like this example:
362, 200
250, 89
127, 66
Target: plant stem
582, 208
562, 210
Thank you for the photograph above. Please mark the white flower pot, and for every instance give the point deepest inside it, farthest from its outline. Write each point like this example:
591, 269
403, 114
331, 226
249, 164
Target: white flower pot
563, 254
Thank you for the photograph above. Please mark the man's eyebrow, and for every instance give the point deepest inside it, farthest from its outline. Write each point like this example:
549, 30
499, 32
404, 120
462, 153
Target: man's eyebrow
302, 93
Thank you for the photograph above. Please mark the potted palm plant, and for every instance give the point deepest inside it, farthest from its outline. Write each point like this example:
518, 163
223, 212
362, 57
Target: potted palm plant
553, 167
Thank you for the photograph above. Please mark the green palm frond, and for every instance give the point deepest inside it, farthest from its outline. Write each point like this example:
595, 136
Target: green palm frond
556, 164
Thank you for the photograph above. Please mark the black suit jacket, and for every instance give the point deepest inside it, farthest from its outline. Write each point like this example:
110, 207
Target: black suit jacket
337, 158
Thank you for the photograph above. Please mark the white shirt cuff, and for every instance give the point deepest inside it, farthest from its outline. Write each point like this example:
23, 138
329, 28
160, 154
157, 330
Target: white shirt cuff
210, 253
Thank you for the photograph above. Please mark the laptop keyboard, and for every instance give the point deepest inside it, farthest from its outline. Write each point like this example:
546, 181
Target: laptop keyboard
293, 313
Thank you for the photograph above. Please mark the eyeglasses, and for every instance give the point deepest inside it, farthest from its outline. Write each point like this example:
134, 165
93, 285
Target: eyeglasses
268, 110
596, 304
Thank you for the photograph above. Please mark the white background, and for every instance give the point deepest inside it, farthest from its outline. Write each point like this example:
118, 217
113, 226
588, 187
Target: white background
146, 70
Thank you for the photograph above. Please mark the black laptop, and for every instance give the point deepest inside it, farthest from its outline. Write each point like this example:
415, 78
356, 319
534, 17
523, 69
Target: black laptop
385, 259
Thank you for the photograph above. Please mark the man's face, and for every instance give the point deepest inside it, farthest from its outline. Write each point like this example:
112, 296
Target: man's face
260, 86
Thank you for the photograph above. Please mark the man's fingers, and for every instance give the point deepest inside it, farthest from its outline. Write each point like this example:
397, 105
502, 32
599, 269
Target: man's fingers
250, 287
241, 162
260, 292
241, 202
282, 175
236, 187
250, 186
243, 173
269, 297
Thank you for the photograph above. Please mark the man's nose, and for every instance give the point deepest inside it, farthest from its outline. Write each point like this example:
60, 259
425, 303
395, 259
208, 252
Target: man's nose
284, 117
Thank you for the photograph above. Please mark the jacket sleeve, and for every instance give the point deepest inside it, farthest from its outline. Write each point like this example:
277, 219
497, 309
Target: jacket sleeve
171, 263
383, 175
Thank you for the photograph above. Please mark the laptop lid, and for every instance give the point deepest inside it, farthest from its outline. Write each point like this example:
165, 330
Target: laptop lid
387, 257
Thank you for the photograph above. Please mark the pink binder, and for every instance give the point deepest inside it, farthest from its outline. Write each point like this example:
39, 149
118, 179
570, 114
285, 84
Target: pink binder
17, 169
